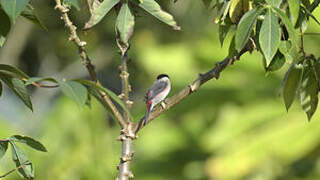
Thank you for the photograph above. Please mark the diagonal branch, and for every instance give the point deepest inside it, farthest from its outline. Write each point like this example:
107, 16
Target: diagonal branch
192, 87
86, 60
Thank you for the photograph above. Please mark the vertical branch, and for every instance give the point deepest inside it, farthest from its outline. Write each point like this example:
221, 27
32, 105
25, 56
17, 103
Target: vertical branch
126, 88
127, 134
126, 154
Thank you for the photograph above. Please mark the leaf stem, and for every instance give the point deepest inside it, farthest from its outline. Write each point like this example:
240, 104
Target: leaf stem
12, 170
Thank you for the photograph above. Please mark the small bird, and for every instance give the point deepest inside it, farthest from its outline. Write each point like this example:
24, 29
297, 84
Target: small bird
157, 93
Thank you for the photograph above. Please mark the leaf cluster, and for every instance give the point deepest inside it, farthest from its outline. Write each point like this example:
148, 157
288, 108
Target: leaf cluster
22, 162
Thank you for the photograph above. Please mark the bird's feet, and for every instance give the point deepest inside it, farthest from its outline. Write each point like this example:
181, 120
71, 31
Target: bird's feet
163, 104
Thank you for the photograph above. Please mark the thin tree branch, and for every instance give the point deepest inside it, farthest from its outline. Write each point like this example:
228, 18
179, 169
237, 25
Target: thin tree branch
86, 60
126, 88
192, 87
12, 170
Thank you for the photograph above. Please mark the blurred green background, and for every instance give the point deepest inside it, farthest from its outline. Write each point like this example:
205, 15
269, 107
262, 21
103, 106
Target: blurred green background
230, 129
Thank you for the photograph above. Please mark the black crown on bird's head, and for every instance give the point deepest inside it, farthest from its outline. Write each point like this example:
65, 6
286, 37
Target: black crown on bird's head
162, 76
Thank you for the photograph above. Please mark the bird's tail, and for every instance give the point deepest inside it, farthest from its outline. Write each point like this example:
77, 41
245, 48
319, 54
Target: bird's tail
146, 118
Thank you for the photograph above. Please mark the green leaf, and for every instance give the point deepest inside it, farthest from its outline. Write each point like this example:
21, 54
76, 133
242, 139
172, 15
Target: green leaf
3, 148
277, 62
40, 79
31, 15
13, 8
293, 36
269, 36
99, 11
232, 48
5, 26
207, 3
275, 3
309, 92
29, 141
14, 70
154, 8
74, 90
125, 23
18, 87
112, 95
20, 159
74, 3
224, 29
294, 6
237, 9
284, 48
245, 27
291, 83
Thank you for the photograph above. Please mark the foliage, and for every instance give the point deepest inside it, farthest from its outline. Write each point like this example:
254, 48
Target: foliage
270, 27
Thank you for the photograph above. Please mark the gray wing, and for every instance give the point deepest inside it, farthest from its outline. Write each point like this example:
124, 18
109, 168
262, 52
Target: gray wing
156, 88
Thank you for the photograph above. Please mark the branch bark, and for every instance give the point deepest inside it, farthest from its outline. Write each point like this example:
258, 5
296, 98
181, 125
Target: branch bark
85, 59
192, 87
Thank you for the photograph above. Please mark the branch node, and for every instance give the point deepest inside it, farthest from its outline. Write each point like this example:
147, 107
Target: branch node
130, 174
121, 96
82, 43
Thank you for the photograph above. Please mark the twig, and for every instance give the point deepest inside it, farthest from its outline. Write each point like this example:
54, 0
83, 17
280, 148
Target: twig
86, 60
203, 78
301, 44
12, 170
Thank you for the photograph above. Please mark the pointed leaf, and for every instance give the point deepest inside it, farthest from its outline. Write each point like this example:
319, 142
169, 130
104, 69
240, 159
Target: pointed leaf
293, 36
277, 62
32, 16
29, 141
224, 29
3, 148
291, 84
237, 9
112, 95
5, 26
20, 159
99, 11
309, 92
18, 87
125, 23
13, 8
294, 6
154, 8
232, 49
14, 70
275, 3
269, 37
284, 48
74, 90
245, 27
